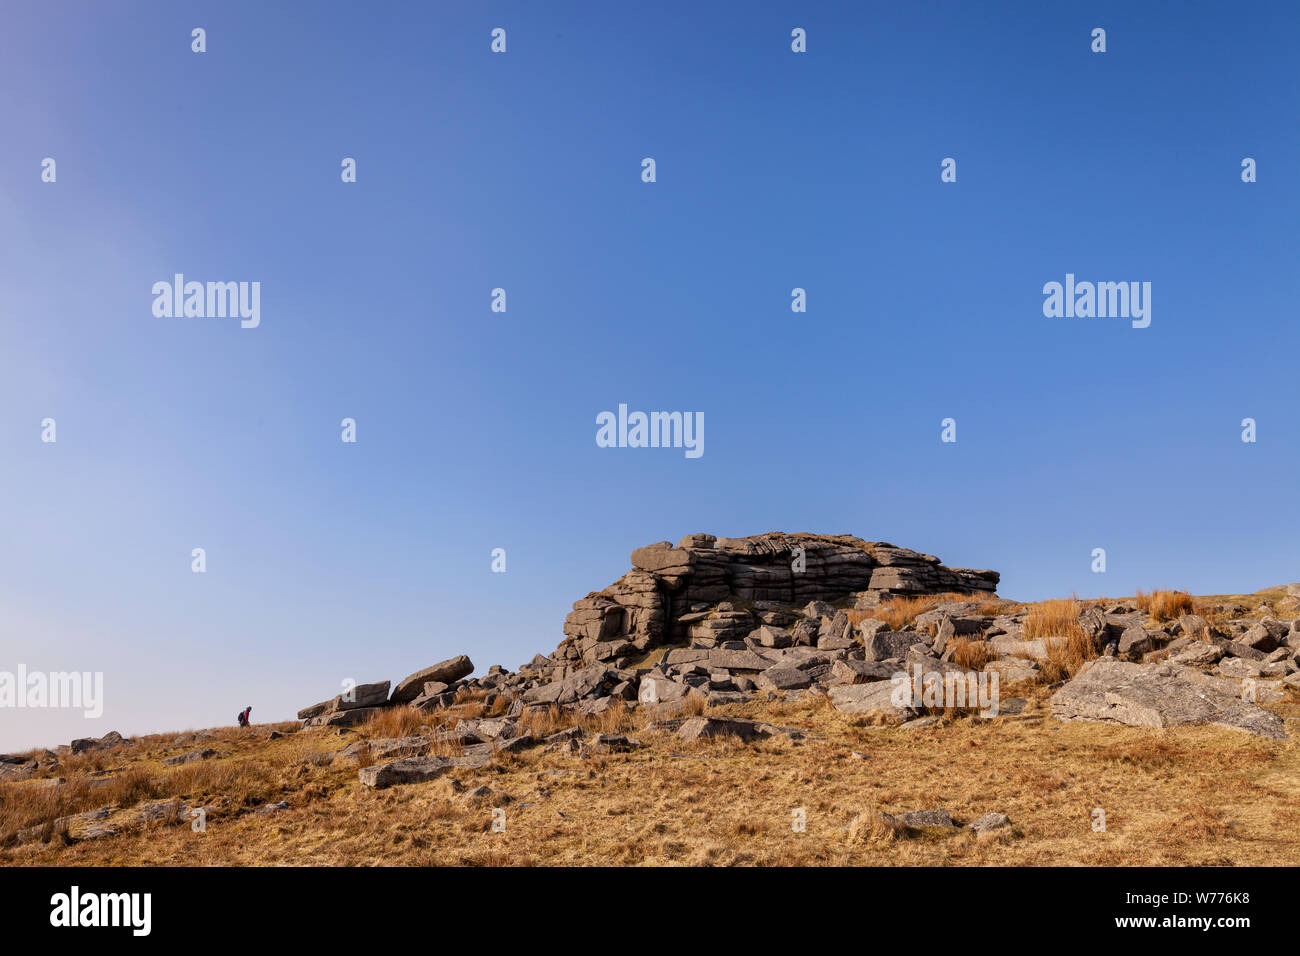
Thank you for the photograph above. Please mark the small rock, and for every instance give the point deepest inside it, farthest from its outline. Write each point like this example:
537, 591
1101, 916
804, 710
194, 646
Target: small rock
990, 822
928, 818
929, 721
194, 756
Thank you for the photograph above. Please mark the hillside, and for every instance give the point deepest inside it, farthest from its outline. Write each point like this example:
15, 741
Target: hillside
712, 707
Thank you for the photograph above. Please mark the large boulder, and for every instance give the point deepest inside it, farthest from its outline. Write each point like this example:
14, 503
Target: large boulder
363, 695
412, 686
1156, 695
1265, 636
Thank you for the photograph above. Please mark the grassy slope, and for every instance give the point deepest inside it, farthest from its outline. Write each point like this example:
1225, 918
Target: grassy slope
1179, 796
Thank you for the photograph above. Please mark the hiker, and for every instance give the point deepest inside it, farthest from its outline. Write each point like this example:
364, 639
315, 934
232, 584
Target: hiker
243, 717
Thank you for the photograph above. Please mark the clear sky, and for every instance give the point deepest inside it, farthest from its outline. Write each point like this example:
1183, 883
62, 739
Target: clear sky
522, 170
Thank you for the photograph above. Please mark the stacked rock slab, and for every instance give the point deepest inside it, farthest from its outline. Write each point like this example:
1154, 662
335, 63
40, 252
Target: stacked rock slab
347, 709
660, 600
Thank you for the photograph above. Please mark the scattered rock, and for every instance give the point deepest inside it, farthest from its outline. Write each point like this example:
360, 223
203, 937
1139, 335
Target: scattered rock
696, 728
404, 771
612, 743
193, 756
928, 818
86, 744
1198, 653
990, 822
919, 722
1134, 642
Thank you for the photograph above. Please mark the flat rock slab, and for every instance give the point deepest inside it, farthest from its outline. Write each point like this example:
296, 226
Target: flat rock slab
388, 748
783, 677
342, 718
928, 818
865, 698
403, 771
421, 769
696, 728
1157, 695
412, 686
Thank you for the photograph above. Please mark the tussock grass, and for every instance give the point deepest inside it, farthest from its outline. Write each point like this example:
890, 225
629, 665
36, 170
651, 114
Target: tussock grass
1065, 655
618, 719
544, 721
875, 828
1056, 618
972, 655
395, 722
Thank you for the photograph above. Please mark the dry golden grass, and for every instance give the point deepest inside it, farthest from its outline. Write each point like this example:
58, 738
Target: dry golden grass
1056, 618
1179, 797
618, 719
1183, 796
542, 722
1198, 819
902, 611
137, 775
874, 828
1165, 605
395, 722
1065, 655
971, 655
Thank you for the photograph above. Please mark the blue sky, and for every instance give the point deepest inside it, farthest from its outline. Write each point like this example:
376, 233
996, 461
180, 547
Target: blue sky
476, 429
